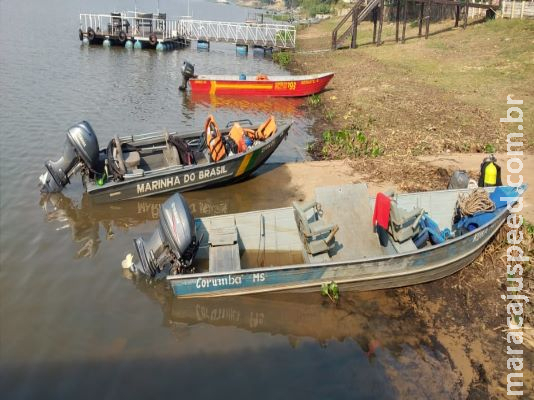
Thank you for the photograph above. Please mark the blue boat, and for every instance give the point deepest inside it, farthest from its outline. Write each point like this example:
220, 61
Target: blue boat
330, 239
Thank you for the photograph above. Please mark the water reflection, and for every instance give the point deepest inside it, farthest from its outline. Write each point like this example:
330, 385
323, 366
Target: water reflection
379, 332
91, 223
388, 335
292, 107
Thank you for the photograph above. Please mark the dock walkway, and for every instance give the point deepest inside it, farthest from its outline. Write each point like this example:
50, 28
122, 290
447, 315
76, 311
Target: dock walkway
150, 30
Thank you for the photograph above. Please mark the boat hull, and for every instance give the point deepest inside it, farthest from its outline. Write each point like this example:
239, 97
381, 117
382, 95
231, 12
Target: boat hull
296, 87
187, 178
365, 274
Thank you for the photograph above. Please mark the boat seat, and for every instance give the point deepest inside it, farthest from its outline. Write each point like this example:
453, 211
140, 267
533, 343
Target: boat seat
316, 235
404, 224
404, 247
131, 160
224, 249
170, 153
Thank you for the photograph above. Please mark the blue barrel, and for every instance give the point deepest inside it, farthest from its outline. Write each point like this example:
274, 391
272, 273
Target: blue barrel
242, 77
106, 43
138, 44
128, 44
203, 45
241, 50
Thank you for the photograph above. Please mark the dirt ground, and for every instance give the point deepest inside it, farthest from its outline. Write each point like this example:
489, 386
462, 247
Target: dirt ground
433, 106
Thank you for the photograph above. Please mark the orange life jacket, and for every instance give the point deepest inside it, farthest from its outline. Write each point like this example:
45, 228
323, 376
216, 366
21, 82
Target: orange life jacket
236, 133
262, 77
251, 133
214, 139
266, 129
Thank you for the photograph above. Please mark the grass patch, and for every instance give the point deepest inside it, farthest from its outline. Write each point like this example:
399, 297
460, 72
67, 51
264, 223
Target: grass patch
349, 143
314, 100
283, 58
425, 97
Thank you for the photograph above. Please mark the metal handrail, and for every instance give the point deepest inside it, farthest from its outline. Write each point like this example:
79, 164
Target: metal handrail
131, 24
280, 35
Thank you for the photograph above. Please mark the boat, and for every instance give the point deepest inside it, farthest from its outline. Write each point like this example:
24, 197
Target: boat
154, 163
330, 239
256, 85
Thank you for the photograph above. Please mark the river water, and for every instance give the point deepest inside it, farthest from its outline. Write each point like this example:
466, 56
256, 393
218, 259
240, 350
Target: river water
72, 324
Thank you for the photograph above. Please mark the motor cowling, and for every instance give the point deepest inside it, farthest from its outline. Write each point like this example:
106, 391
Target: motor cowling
188, 72
81, 147
174, 240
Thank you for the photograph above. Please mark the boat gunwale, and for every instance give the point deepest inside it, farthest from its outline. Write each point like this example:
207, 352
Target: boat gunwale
271, 79
388, 257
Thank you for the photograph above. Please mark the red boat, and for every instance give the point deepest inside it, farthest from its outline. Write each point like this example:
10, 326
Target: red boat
259, 85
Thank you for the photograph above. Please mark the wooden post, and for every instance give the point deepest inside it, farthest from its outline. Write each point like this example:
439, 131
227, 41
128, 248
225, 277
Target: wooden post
513, 9
457, 16
397, 21
466, 7
503, 6
334, 40
354, 28
429, 13
375, 20
421, 18
522, 9
381, 23
404, 14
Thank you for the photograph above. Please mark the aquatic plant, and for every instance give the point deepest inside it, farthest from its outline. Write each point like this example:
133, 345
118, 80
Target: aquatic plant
283, 58
331, 290
349, 143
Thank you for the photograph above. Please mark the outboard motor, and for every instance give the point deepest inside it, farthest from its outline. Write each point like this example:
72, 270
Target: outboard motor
188, 72
174, 240
81, 148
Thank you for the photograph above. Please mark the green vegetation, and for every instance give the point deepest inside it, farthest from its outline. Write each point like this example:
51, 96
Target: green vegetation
283, 58
314, 100
349, 143
331, 290
312, 7
489, 148
329, 115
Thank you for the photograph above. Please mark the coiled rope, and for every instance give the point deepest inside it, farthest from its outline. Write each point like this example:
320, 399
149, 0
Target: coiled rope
476, 201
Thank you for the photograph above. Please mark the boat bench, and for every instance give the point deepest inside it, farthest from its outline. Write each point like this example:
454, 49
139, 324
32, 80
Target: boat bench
224, 249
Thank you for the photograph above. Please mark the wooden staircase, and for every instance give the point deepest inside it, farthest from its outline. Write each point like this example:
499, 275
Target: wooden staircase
349, 23
357, 14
